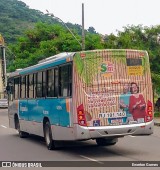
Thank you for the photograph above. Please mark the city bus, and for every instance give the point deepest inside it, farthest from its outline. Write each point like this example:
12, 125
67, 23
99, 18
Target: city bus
74, 96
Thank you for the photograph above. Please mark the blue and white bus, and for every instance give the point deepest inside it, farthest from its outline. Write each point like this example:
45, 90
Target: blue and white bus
100, 94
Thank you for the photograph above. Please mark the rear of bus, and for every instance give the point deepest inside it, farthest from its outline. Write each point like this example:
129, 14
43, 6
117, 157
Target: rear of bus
112, 94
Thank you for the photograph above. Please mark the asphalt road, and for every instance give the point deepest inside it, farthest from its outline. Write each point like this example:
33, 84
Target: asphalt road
13, 148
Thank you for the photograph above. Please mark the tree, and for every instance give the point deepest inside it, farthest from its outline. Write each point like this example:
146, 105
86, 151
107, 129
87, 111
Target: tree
46, 40
92, 30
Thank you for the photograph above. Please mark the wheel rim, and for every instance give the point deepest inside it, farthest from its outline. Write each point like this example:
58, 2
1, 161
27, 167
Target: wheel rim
18, 126
48, 140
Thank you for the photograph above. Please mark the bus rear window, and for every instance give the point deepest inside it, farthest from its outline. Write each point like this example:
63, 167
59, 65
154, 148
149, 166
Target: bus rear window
134, 61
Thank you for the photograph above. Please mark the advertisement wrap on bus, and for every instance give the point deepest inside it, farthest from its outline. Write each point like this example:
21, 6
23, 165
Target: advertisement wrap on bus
113, 87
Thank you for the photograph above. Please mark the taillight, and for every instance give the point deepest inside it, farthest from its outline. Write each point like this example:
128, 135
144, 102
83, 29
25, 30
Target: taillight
149, 115
81, 116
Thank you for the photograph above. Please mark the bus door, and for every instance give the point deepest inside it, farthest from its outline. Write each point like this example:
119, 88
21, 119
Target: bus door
23, 101
32, 101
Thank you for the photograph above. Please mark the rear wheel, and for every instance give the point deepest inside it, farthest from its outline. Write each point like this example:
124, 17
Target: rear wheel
48, 136
105, 141
21, 133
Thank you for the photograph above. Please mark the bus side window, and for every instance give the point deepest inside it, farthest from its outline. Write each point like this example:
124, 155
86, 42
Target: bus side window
27, 86
50, 81
10, 89
65, 81
30, 84
56, 84
39, 85
70, 81
44, 84
16, 91
23, 87
34, 85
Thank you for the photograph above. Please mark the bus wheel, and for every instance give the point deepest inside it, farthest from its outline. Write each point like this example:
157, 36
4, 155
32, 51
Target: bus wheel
21, 133
105, 141
48, 136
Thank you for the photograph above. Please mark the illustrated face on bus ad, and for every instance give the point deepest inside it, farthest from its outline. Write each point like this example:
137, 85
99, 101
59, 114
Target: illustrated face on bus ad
134, 88
126, 88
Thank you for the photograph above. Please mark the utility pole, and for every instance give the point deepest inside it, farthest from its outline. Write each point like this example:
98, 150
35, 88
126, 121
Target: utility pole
83, 34
3, 74
60, 20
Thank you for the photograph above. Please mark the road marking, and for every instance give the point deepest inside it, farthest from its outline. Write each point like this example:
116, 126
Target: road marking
94, 160
132, 136
3, 126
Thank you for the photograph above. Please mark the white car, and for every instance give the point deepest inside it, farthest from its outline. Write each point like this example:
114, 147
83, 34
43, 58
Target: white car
3, 103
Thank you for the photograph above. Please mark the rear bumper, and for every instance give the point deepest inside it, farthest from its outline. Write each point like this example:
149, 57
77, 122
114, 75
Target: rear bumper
113, 131
4, 106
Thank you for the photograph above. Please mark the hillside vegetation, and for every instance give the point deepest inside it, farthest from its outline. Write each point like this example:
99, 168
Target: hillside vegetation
16, 17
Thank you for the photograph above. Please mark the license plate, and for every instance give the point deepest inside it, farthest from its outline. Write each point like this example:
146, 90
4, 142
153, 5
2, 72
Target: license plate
116, 121
112, 115
140, 120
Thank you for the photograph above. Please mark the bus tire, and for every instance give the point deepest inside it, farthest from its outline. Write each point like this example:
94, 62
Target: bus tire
48, 136
21, 133
106, 142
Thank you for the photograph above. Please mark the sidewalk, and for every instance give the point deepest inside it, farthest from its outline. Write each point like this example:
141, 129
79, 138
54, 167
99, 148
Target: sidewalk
157, 121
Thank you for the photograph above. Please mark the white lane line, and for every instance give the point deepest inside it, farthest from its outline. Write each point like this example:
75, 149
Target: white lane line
94, 160
132, 136
3, 126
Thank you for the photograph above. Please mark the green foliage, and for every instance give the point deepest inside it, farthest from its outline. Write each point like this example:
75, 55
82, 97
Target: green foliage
16, 17
87, 67
157, 114
46, 40
93, 41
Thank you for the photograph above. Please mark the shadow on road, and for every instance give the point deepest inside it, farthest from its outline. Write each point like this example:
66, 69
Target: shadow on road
87, 148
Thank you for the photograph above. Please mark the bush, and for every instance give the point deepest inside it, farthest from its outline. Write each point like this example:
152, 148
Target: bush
157, 114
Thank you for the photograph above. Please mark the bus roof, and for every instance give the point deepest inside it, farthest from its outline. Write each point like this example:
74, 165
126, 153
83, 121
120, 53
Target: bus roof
45, 63
60, 59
